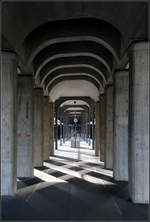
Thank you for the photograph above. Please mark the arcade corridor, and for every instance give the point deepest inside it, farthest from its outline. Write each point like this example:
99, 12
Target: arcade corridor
75, 110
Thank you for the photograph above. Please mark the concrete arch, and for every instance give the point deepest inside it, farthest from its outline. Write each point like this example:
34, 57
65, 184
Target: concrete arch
74, 109
74, 66
65, 99
76, 87
71, 102
77, 75
48, 42
73, 47
65, 55
66, 107
87, 28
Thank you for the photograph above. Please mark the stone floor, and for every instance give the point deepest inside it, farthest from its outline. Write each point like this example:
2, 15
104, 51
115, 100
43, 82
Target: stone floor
73, 185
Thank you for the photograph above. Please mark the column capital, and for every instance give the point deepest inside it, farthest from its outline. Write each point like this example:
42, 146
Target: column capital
7, 55
140, 45
121, 72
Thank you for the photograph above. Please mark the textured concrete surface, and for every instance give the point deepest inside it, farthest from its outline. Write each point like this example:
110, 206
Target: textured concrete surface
38, 127
25, 126
102, 126
139, 124
121, 103
97, 129
109, 147
8, 123
72, 189
46, 128
51, 129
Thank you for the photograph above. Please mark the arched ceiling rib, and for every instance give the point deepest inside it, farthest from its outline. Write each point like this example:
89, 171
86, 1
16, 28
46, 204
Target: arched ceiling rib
73, 30
87, 47
74, 88
72, 56
74, 101
79, 78
63, 76
79, 99
83, 67
68, 107
72, 39
74, 68
21, 18
74, 109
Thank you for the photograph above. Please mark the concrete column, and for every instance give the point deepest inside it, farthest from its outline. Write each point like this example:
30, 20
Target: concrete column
121, 100
109, 129
93, 131
89, 119
38, 127
97, 132
46, 128
139, 123
60, 130
51, 128
24, 126
86, 127
56, 132
8, 123
102, 126
64, 129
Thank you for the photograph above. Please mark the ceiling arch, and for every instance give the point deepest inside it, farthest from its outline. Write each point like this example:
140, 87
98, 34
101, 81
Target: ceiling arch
71, 55
76, 88
72, 30
75, 77
74, 101
73, 47
68, 65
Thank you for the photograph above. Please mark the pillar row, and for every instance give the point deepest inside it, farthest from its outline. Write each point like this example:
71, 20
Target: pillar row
8, 123
24, 126
121, 100
38, 127
139, 123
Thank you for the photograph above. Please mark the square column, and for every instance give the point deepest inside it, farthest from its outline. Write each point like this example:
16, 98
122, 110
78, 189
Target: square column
24, 126
8, 123
38, 127
109, 128
93, 130
89, 128
51, 128
46, 127
121, 100
97, 132
102, 127
139, 123
61, 137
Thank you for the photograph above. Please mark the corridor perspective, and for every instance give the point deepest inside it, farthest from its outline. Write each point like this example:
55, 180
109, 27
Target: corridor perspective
75, 110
